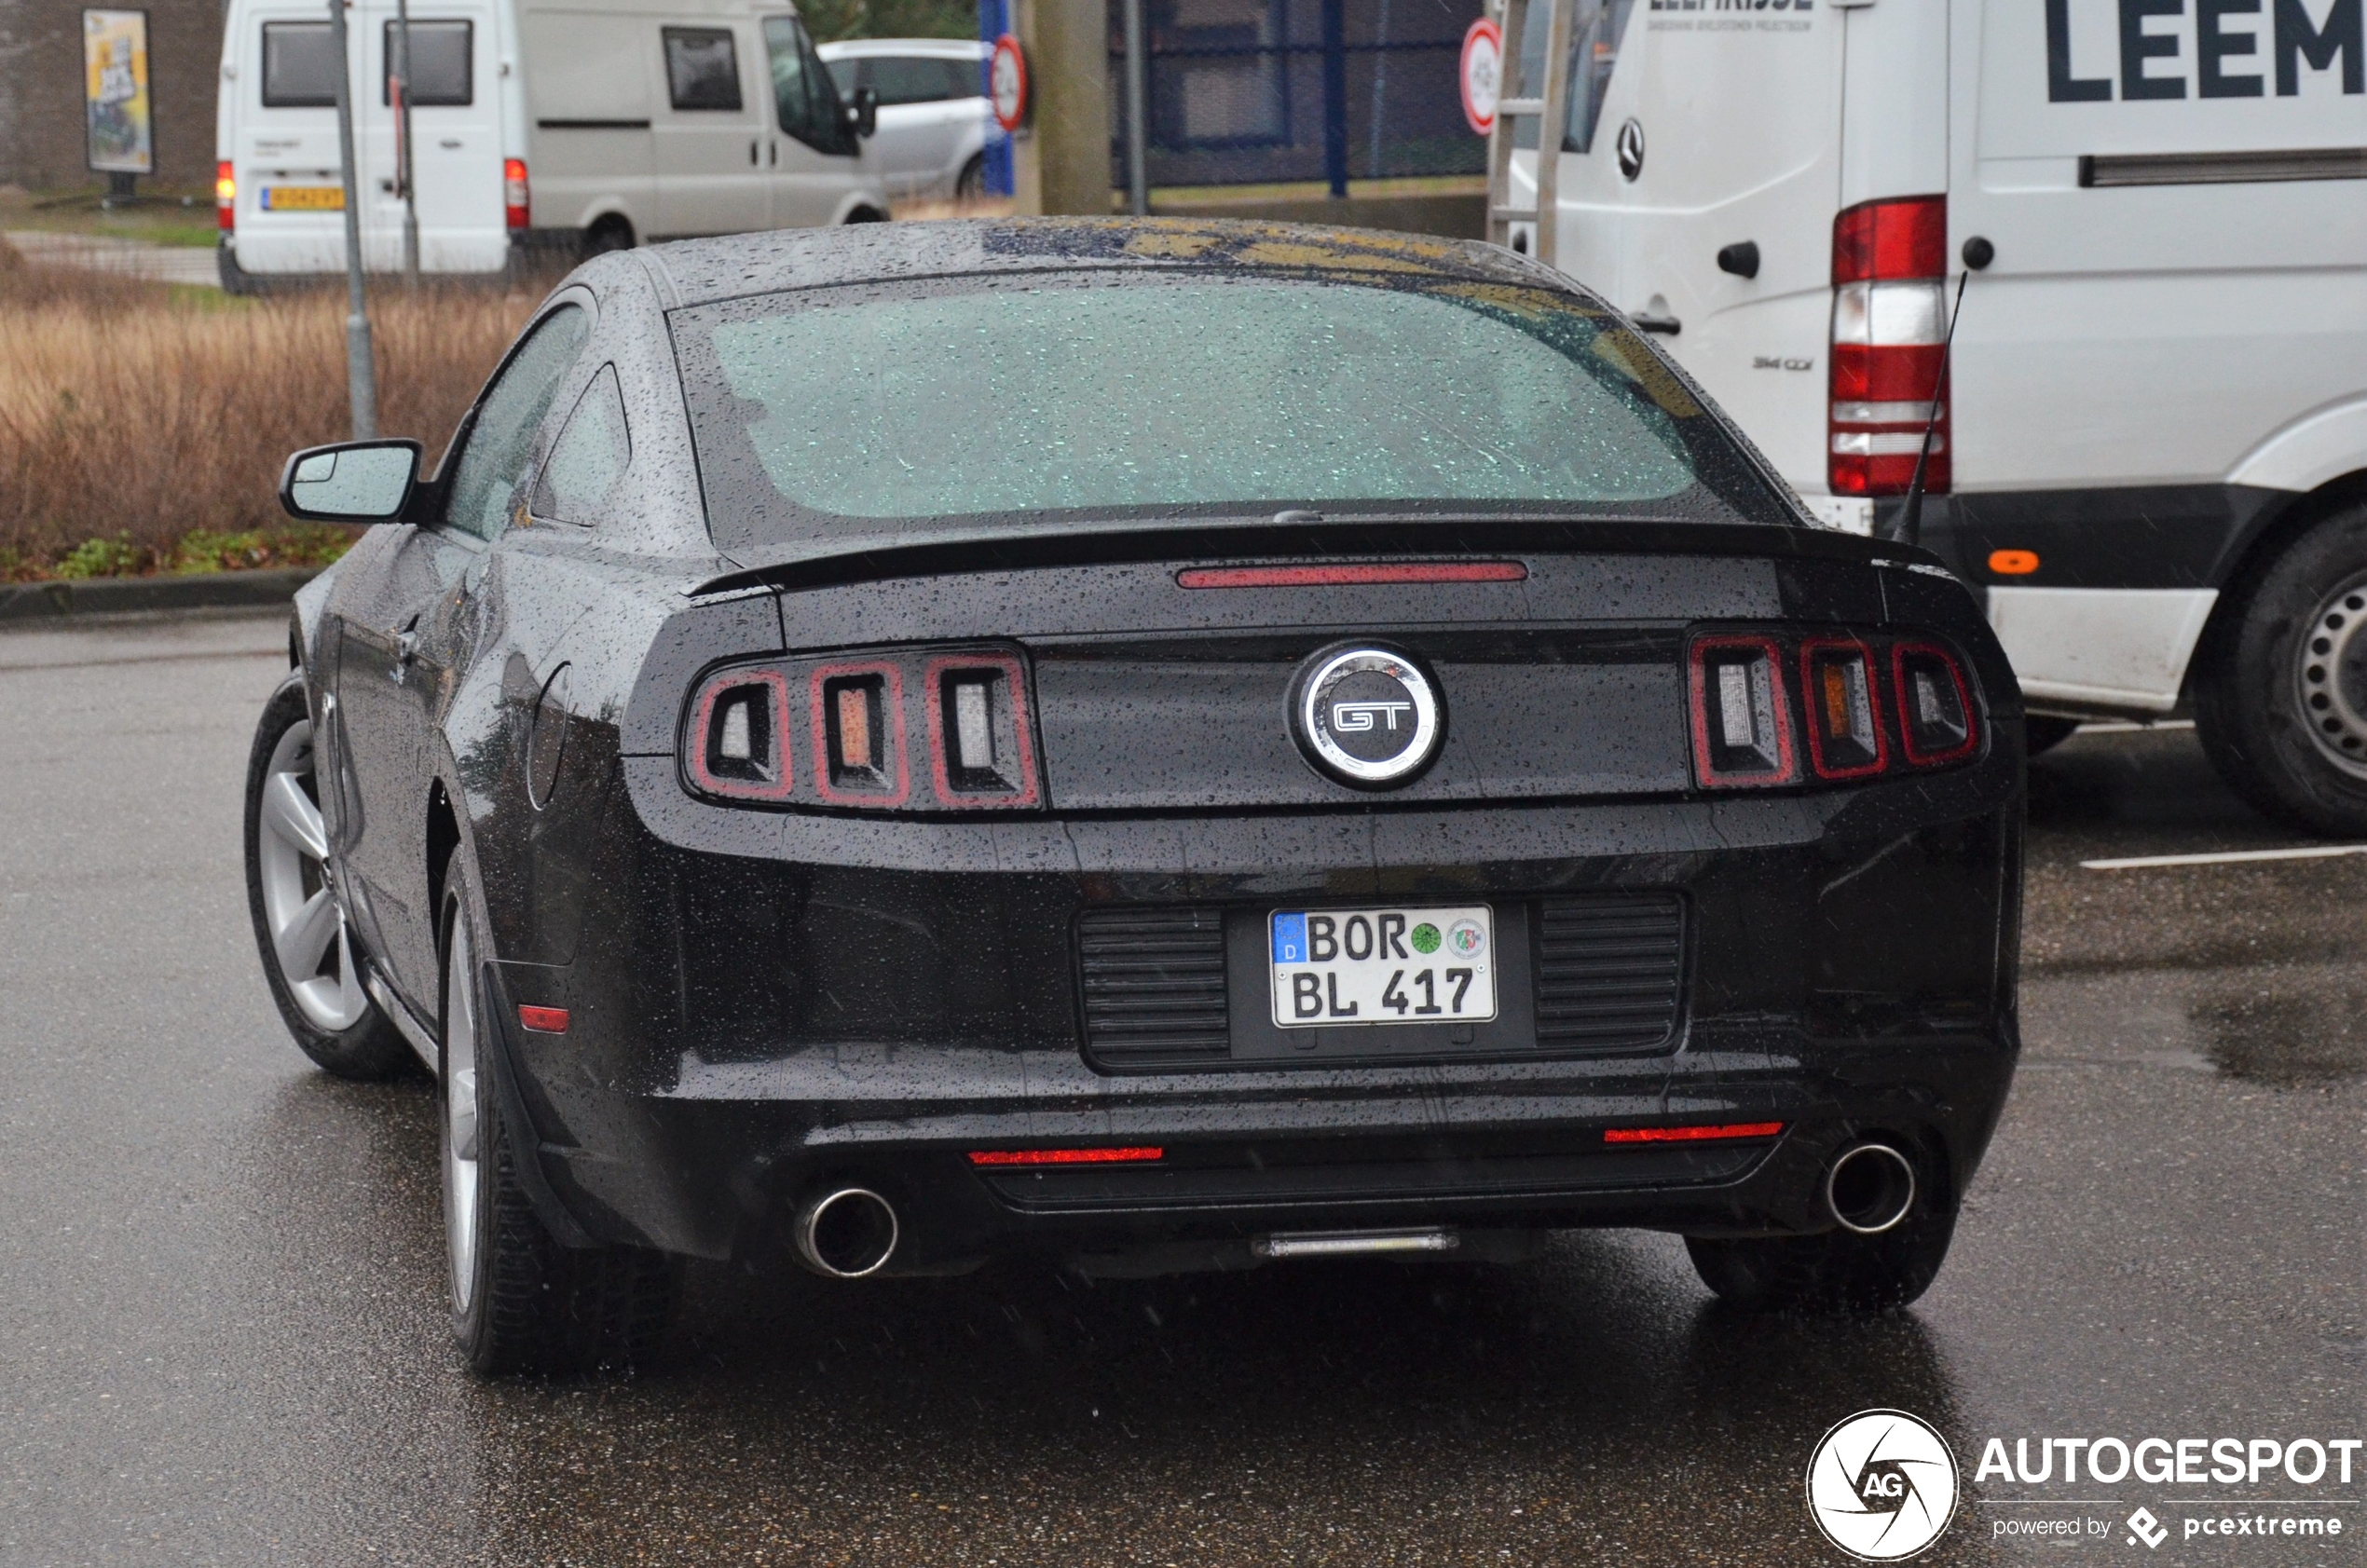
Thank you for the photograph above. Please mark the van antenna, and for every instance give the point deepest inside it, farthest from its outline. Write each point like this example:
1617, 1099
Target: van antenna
1910, 515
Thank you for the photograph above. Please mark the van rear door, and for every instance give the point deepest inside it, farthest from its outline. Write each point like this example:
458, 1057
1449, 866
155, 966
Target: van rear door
1691, 130
283, 140
456, 136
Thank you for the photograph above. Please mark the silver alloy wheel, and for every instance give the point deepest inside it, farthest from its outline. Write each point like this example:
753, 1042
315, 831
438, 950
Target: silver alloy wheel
461, 1112
309, 935
2330, 678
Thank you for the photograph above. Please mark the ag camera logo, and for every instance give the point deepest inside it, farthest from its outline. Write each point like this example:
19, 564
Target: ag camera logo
1881, 1485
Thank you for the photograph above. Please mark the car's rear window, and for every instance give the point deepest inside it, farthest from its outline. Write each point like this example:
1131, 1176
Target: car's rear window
1188, 393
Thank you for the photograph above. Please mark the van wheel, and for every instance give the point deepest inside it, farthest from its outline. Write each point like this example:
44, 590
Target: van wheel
609, 234
2280, 700
521, 1302
867, 216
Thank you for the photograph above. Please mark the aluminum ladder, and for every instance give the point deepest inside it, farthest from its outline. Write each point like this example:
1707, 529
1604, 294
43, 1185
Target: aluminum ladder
1549, 109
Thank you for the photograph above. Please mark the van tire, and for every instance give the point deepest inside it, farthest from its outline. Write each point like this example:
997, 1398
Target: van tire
2280, 690
610, 233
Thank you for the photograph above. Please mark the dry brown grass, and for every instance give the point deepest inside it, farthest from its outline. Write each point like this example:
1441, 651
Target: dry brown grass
133, 411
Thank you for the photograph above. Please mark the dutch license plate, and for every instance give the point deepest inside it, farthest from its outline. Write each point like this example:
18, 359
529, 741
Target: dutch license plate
1334, 967
304, 198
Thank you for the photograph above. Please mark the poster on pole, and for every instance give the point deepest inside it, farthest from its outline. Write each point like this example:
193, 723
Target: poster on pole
119, 129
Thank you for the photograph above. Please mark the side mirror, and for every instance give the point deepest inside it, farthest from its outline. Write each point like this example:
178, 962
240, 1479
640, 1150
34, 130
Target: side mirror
352, 482
863, 115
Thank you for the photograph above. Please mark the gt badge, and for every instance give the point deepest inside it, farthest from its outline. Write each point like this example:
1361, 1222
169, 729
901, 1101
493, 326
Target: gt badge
1368, 717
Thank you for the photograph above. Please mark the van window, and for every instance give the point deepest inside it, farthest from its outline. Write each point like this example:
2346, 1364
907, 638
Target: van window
299, 65
701, 68
441, 61
500, 437
589, 457
803, 94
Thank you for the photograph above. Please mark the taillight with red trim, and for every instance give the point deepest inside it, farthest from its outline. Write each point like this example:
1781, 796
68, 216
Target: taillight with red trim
1742, 719
1937, 723
225, 196
979, 750
1770, 708
1889, 331
736, 744
1844, 726
869, 722
516, 197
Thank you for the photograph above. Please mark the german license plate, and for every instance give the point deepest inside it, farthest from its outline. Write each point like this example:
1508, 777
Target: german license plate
1334, 967
304, 198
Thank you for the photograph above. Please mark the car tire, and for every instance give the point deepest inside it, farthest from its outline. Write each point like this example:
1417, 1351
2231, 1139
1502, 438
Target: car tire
970, 185
1839, 1271
2043, 733
2280, 694
522, 1302
311, 959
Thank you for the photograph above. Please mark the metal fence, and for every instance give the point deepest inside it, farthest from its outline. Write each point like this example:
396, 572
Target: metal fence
1258, 92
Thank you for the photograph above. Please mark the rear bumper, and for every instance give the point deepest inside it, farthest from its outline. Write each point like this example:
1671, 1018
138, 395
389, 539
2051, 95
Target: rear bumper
720, 1165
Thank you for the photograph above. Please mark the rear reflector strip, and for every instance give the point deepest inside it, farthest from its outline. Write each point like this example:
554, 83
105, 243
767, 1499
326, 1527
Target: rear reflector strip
1065, 1156
545, 1020
1350, 577
1692, 1134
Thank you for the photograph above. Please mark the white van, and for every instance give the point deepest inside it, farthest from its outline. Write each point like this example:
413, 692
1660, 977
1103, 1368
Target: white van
2153, 451
574, 125
931, 144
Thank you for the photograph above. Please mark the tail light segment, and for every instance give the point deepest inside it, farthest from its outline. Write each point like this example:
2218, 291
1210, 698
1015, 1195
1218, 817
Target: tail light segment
225, 196
517, 204
863, 725
1890, 333
1855, 694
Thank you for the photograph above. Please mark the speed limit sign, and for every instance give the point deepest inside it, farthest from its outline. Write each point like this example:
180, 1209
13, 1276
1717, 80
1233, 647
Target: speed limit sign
1007, 78
1483, 73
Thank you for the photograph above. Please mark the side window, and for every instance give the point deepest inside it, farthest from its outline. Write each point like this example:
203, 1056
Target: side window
803, 94
500, 435
589, 456
701, 68
845, 75
442, 62
961, 78
903, 79
299, 65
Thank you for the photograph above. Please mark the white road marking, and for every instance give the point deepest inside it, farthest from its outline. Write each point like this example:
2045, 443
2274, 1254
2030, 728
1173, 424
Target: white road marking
2225, 857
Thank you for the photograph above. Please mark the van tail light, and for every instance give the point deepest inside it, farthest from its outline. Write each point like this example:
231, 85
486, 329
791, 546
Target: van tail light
1844, 716
1742, 719
225, 196
737, 743
1937, 723
1855, 694
980, 753
1890, 333
516, 198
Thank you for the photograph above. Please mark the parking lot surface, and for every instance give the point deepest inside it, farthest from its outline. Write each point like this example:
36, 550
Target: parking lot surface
224, 1336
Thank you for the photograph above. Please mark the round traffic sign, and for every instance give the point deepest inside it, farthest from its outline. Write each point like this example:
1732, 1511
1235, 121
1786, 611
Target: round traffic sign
1007, 76
1483, 73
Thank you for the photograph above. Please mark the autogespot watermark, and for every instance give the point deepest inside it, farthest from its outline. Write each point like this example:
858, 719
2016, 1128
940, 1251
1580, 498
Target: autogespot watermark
1883, 1485
2303, 1463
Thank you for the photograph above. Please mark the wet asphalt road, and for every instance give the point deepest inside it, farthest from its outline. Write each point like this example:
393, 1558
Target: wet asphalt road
222, 1321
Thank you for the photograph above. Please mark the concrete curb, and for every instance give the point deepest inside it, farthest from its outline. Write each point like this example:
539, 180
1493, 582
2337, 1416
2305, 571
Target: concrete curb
49, 601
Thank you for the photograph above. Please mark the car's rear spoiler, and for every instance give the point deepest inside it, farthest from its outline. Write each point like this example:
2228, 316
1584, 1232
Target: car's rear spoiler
1003, 548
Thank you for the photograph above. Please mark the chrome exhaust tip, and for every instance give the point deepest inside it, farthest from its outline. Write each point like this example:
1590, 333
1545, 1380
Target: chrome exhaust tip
846, 1234
1869, 1189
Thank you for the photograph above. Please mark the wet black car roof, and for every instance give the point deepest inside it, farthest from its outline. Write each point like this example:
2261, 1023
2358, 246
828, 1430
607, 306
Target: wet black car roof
701, 271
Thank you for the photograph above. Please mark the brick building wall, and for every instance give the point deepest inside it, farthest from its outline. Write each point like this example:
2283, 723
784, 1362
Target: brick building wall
41, 90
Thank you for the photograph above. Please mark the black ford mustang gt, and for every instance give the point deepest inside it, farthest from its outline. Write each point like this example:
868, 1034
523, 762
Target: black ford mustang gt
1162, 745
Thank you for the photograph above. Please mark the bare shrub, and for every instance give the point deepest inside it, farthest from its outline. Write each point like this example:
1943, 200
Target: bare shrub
137, 413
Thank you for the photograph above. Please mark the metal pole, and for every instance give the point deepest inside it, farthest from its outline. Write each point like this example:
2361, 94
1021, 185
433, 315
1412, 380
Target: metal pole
406, 151
1138, 113
1336, 96
362, 378
1381, 86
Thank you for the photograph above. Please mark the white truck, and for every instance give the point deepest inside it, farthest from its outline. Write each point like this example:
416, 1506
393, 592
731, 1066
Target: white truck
2150, 449
560, 125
